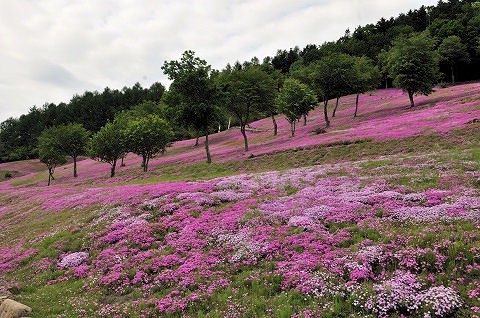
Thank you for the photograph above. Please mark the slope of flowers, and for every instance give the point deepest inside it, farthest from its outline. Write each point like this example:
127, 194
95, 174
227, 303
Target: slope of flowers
383, 115
309, 242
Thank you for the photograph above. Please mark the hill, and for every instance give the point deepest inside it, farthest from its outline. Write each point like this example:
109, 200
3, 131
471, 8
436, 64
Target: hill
383, 115
379, 216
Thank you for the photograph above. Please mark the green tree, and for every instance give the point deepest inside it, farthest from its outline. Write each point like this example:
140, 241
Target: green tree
108, 145
72, 140
246, 92
284, 59
413, 64
49, 152
452, 51
121, 122
147, 136
366, 78
382, 64
271, 109
147, 108
295, 100
330, 77
194, 92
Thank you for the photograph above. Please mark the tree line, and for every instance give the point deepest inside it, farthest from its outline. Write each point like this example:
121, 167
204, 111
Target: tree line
18, 136
414, 51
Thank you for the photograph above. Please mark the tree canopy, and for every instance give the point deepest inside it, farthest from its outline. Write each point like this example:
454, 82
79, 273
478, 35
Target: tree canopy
147, 136
413, 63
72, 140
295, 100
49, 152
365, 78
452, 52
193, 94
246, 92
108, 145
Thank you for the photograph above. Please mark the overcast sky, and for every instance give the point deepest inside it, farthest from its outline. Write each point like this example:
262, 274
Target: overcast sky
52, 49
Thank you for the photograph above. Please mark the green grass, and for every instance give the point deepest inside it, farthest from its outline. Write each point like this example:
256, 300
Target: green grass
416, 182
52, 300
7, 174
459, 141
372, 164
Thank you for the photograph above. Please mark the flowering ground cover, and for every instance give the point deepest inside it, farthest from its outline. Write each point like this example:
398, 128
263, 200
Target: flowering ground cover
383, 116
378, 227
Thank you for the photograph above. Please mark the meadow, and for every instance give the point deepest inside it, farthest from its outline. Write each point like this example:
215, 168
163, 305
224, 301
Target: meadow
377, 217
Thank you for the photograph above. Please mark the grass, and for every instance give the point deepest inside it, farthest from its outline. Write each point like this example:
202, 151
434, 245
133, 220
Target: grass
460, 141
372, 164
7, 174
35, 223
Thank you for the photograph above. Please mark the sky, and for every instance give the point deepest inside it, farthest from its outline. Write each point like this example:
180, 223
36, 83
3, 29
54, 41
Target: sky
53, 49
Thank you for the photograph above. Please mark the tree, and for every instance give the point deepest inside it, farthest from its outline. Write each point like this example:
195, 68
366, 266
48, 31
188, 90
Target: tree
294, 100
123, 118
194, 91
413, 64
108, 145
148, 136
72, 140
452, 51
48, 151
366, 77
246, 92
382, 63
284, 59
271, 109
146, 108
330, 77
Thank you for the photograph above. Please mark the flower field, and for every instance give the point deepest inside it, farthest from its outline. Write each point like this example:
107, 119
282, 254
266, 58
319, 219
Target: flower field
388, 226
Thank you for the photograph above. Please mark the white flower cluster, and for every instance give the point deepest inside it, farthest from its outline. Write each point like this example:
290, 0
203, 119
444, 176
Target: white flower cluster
302, 221
245, 248
403, 292
440, 301
230, 195
322, 284
199, 198
73, 260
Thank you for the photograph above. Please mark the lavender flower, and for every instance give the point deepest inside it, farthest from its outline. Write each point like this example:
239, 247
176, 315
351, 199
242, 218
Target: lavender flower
73, 260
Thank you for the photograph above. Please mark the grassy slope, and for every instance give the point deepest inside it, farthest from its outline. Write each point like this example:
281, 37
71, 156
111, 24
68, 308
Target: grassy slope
455, 148
383, 115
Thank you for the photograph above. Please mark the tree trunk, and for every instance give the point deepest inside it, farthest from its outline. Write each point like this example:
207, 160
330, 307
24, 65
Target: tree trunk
335, 109
75, 167
229, 122
123, 164
49, 175
452, 68
304, 120
144, 161
292, 127
327, 121
275, 126
244, 133
410, 96
196, 141
112, 170
386, 81
209, 159
356, 105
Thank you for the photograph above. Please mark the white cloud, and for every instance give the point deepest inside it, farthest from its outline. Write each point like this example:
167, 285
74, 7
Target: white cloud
52, 49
